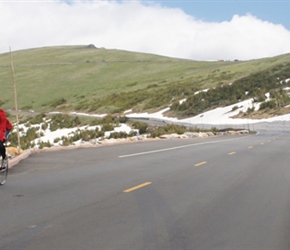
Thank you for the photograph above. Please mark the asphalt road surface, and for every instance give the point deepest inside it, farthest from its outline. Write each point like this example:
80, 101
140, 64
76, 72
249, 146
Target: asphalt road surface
221, 193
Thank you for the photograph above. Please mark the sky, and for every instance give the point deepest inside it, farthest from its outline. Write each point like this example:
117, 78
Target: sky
203, 30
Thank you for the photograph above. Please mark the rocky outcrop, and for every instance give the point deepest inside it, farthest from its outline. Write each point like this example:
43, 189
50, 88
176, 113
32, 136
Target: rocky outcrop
12, 152
203, 134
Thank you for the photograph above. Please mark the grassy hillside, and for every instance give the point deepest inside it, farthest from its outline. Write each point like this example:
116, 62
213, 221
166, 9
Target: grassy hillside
98, 80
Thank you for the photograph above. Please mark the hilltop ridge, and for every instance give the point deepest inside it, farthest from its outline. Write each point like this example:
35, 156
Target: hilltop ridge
99, 80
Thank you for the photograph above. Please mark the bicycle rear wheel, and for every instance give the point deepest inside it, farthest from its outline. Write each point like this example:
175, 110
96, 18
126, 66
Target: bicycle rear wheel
3, 171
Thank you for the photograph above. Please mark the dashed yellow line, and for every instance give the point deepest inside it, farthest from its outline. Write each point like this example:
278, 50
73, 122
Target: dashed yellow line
250, 147
137, 187
232, 153
201, 163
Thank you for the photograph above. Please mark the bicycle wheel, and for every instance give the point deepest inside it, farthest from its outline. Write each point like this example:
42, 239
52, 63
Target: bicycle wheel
3, 171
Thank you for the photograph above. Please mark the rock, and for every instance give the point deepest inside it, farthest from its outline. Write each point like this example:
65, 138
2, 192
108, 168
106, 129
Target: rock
201, 134
210, 133
91, 46
192, 134
165, 136
12, 151
183, 136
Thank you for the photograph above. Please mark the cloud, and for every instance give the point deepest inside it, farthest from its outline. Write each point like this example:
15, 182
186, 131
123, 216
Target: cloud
136, 26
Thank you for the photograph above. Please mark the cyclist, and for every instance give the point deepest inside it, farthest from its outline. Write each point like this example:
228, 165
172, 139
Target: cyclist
5, 128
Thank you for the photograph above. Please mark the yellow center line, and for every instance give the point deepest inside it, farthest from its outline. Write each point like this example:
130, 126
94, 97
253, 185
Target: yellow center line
250, 147
201, 163
137, 187
232, 153
262, 143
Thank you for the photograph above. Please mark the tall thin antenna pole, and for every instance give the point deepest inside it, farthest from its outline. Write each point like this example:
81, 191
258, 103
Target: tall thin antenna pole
15, 100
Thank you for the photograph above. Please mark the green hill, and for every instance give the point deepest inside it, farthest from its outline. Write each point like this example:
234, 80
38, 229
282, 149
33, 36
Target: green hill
98, 80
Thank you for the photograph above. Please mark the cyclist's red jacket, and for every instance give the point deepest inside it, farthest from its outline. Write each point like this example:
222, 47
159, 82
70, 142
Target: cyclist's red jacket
4, 125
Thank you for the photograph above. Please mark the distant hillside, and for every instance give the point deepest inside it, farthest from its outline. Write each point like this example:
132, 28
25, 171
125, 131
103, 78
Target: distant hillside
97, 80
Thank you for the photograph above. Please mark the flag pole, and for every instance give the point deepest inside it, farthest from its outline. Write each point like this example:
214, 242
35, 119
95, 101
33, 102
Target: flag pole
15, 100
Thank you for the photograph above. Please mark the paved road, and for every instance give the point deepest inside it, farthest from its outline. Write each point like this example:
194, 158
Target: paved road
226, 193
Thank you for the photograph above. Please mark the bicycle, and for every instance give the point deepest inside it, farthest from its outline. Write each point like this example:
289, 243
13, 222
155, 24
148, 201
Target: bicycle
3, 171
4, 164
6, 127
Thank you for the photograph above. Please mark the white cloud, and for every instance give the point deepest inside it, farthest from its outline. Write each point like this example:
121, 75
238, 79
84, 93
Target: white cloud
134, 26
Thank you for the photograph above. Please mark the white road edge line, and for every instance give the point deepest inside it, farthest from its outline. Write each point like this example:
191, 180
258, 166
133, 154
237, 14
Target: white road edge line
183, 146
